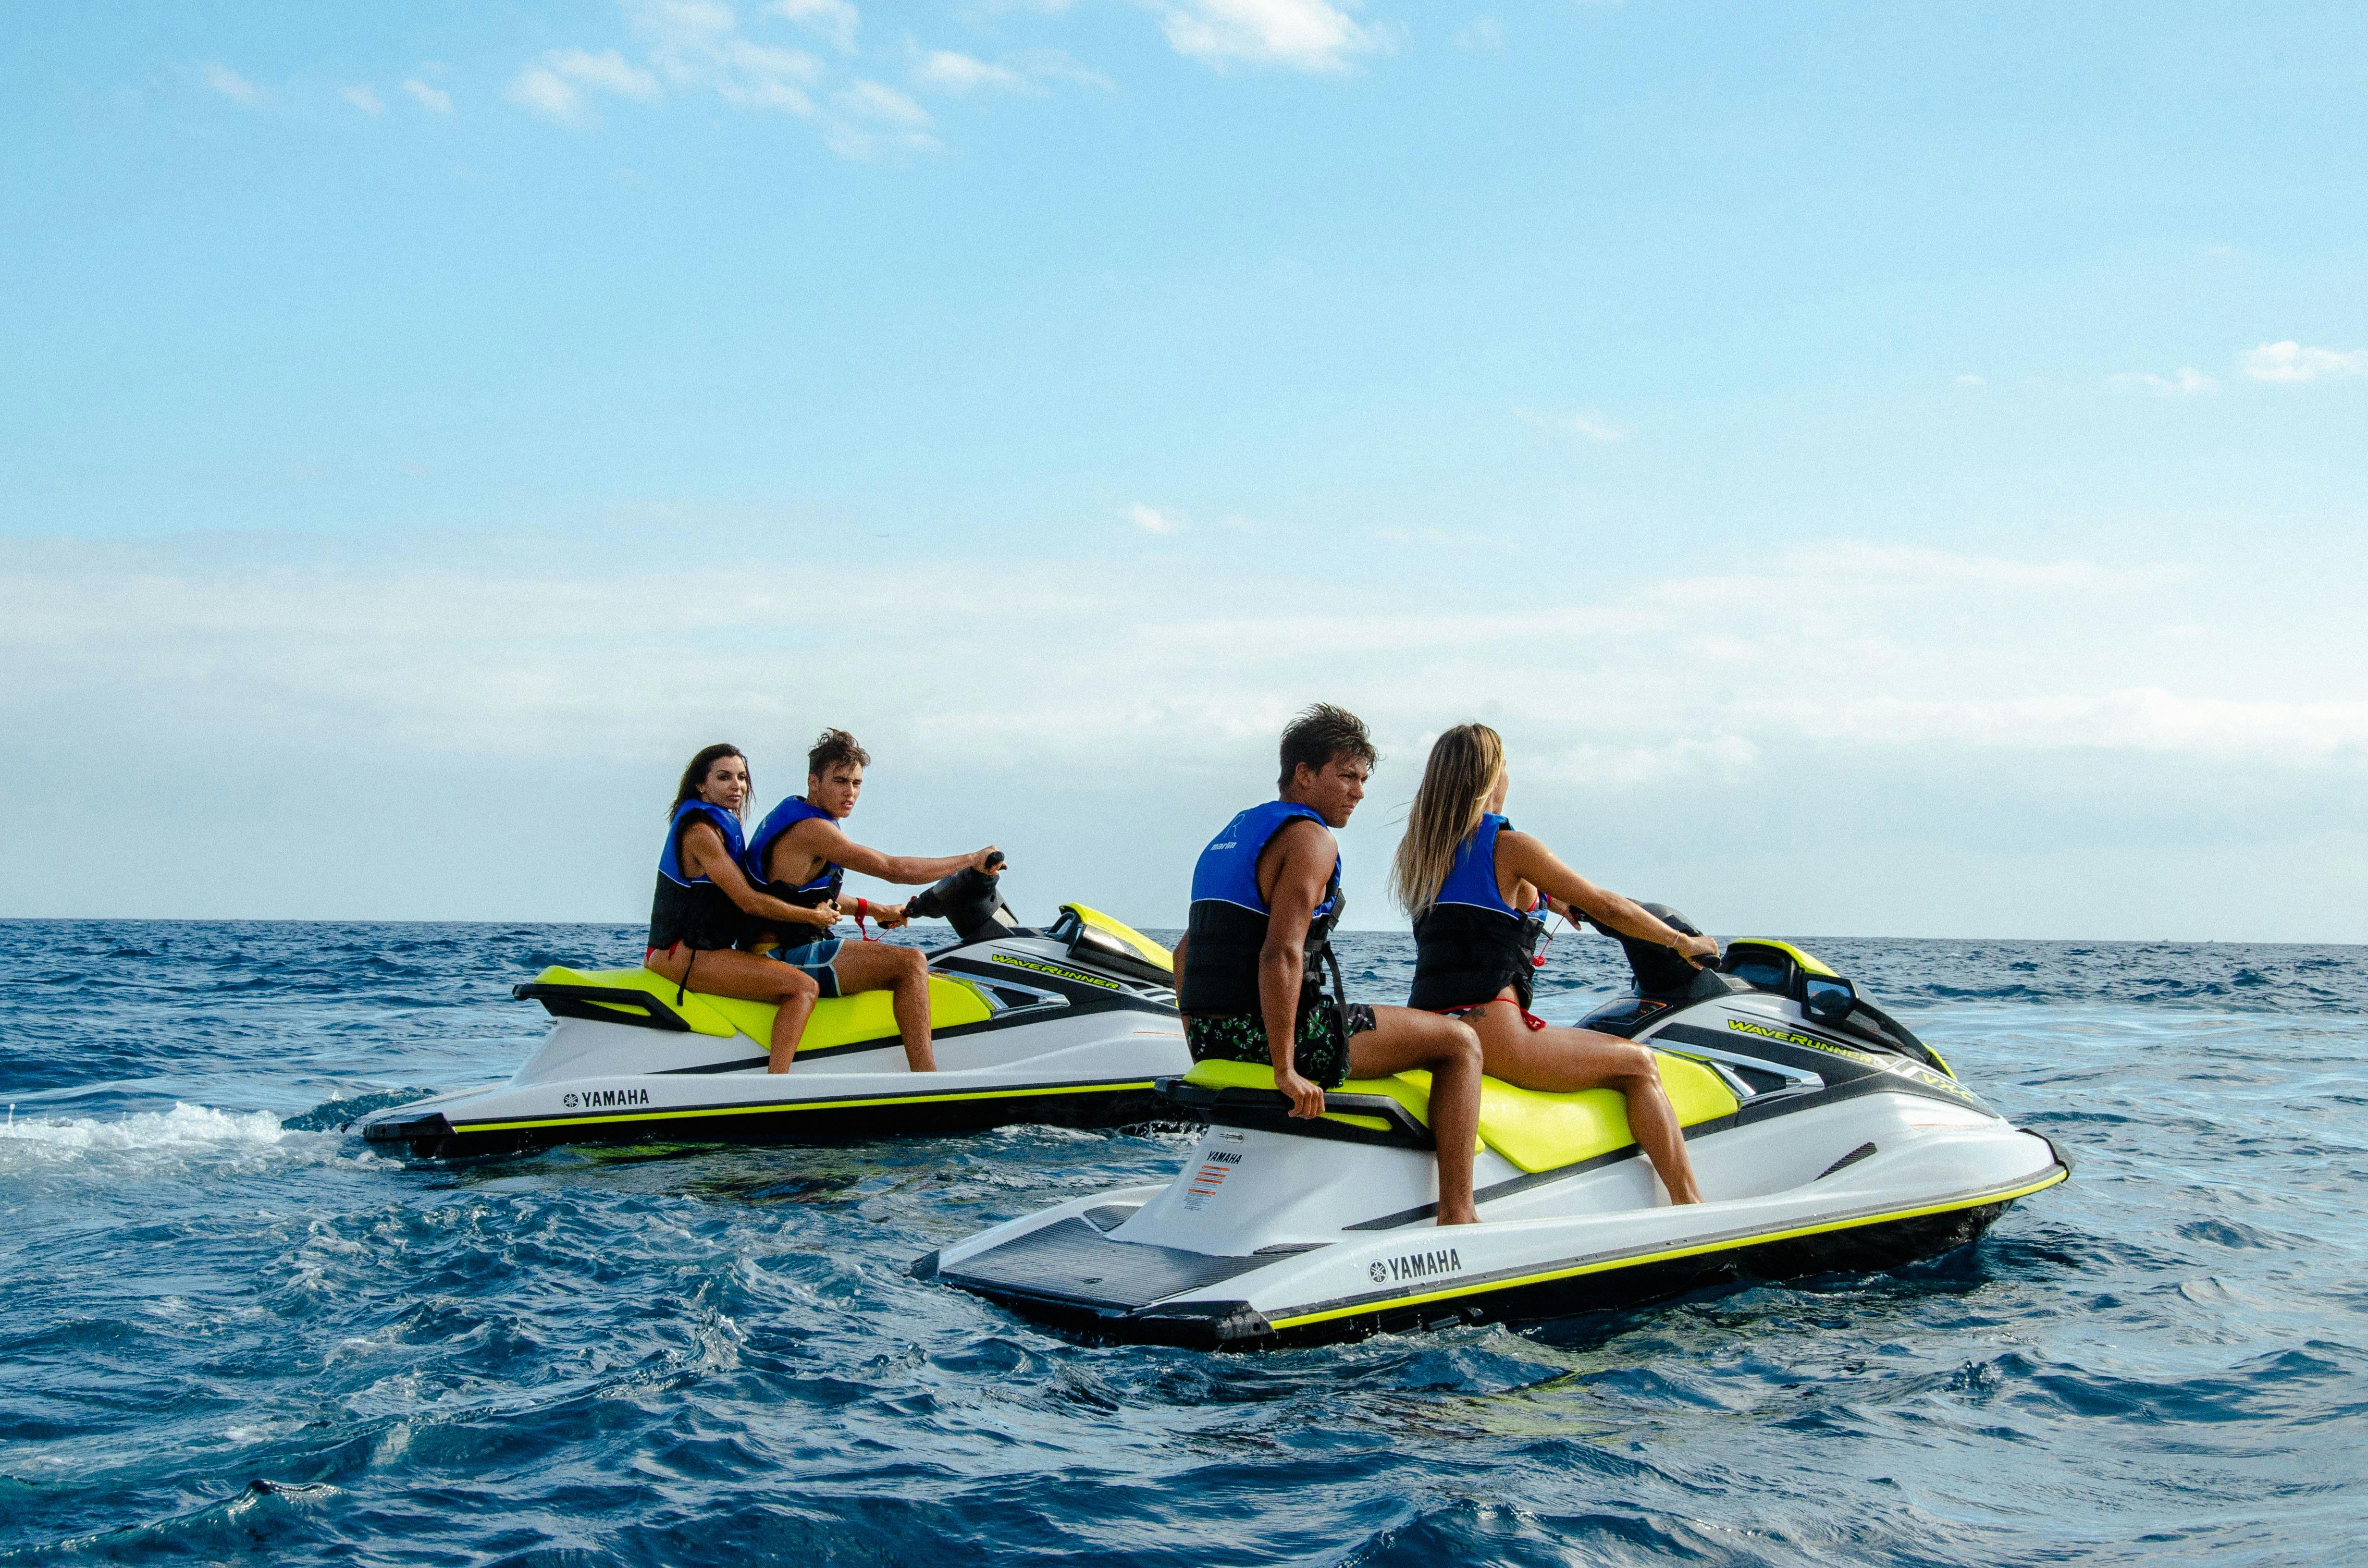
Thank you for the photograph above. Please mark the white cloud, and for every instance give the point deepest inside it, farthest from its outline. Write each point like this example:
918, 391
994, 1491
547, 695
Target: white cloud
435, 100
949, 72
2186, 383
364, 99
1973, 381
945, 71
1943, 699
540, 90
834, 19
1153, 521
884, 104
1590, 423
1302, 35
230, 83
1481, 32
608, 71
2292, 361
551, 88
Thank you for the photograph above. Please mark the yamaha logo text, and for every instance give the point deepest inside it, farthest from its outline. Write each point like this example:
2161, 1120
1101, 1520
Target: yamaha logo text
1412, 1266
600, 1100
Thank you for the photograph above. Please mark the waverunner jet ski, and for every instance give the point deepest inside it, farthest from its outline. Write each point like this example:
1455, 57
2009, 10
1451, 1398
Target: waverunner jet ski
1069, 1025
1824, 1136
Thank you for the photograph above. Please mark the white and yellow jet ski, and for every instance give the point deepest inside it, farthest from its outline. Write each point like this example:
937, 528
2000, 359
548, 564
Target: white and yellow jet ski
1069, 1025
1824, 1136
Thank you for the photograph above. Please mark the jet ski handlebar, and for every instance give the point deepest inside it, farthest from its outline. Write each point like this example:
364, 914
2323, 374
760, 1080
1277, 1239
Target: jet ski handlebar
970, 901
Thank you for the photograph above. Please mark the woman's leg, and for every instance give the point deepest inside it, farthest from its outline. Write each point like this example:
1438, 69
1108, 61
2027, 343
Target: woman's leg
905, 973
1562, 1061
726, 971
1402, 1037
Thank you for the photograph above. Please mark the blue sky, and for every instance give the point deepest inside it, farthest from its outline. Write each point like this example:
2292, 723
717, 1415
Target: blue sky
1886, 469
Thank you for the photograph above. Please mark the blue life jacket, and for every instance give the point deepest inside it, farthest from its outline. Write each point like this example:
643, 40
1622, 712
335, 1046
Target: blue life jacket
1226, 928
1470, 944
815, 890
693, 910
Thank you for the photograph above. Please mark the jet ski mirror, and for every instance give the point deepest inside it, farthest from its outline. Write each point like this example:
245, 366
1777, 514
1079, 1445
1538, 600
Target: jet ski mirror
1828, 1000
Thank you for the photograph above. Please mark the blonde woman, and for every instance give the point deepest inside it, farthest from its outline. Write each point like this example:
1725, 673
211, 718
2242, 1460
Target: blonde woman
1473, 887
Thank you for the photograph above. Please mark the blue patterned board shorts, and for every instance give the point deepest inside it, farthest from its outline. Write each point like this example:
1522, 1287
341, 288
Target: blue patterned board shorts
814, 958
1321, 1054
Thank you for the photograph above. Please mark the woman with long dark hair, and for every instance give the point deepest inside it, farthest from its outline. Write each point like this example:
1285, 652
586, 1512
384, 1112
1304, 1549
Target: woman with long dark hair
704, 904
1473, 887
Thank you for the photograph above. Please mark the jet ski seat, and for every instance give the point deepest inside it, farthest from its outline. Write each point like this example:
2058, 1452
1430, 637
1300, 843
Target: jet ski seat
626, 997
1534, 1130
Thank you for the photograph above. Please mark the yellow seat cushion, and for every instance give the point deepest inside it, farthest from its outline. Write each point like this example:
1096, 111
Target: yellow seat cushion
837, 1020
1534, 1130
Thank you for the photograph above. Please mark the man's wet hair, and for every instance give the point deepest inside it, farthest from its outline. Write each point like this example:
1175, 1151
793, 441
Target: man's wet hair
1321, 734
835, 748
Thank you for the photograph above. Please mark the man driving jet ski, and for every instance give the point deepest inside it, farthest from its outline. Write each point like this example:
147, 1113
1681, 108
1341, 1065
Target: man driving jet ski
1266, 894
799, 856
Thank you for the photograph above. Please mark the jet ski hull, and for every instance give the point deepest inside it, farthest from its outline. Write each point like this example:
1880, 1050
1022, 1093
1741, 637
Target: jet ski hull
1053, 1027
1817, 1153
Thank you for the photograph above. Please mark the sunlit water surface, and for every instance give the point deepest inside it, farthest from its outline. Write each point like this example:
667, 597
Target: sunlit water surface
228, 1333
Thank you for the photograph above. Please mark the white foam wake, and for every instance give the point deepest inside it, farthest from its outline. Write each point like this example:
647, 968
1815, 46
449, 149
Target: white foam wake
184, 1135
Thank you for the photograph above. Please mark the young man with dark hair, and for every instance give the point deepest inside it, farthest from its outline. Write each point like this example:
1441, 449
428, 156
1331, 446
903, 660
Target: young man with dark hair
799, 856
1266, 895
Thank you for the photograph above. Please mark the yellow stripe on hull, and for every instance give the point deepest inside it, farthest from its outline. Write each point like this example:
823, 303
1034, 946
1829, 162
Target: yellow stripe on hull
460, 1127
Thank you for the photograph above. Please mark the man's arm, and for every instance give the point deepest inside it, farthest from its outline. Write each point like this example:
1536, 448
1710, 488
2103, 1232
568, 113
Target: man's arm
1307, 855
1567, 890
824, 841
703, 855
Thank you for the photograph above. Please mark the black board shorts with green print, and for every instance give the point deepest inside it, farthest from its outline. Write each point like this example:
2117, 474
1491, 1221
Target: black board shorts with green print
1321, 1055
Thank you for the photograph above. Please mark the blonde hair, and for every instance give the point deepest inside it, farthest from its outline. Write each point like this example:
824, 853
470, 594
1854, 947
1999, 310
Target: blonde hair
1464, 766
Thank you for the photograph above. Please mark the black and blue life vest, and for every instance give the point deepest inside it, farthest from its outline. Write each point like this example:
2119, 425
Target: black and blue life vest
816, 891
1470, 944
1228, 922
688, 910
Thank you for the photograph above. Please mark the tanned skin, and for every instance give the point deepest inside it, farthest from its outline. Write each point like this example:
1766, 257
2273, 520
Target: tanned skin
801, 854
726, 971
1292, 871
1561, 1060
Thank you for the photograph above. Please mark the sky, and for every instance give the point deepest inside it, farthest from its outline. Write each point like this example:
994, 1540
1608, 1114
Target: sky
1886, 470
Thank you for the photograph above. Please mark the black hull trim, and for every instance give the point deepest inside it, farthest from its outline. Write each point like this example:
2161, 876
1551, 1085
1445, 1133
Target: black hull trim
1235, 1325
434, 1138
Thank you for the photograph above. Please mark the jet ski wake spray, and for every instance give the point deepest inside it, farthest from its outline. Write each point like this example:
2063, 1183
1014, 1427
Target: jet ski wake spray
1069, 1025
1824, 1136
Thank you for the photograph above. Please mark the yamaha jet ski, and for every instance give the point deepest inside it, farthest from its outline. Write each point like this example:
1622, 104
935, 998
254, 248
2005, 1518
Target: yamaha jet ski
1071, 1025
1824, 1136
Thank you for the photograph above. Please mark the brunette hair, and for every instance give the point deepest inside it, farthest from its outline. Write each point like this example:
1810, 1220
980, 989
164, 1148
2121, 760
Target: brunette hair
1321, 734
1464, 766
696, 775
834, 747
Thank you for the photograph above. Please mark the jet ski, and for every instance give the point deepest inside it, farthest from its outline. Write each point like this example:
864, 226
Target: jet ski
1825, 1134
1072, 1024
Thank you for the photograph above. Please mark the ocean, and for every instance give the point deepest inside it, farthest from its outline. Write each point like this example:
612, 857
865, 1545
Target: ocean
229, 1333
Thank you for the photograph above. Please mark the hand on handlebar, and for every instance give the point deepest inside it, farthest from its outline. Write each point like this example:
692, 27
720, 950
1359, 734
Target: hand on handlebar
1306, 1099
988, 861
889, 915
1700, 951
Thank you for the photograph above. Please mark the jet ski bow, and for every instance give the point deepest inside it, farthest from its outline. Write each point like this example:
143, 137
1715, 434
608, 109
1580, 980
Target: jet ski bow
1824, 1134
1069, 1025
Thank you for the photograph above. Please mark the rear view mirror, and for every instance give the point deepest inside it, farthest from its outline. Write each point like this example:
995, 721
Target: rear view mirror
1828, 1000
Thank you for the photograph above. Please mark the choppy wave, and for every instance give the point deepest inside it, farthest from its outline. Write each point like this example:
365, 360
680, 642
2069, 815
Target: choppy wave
229, 1335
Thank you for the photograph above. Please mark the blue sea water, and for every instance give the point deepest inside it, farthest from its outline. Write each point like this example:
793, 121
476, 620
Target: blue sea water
230, 1334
